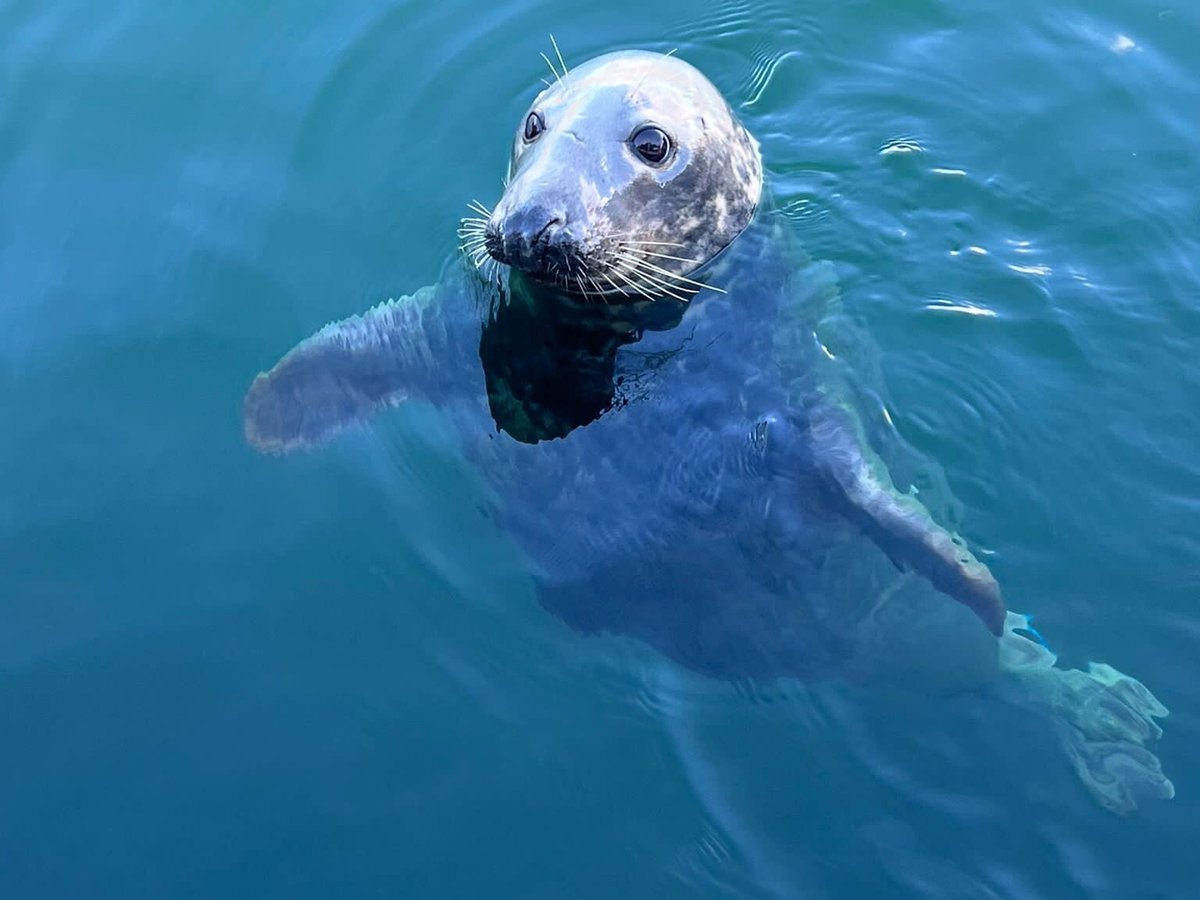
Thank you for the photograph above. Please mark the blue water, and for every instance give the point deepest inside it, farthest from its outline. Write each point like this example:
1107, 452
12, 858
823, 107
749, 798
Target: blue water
225, 675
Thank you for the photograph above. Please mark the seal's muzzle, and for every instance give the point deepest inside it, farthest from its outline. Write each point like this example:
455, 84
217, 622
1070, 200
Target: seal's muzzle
535, 238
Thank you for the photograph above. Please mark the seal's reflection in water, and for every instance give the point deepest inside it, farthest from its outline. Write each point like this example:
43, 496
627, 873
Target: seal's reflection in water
550, 360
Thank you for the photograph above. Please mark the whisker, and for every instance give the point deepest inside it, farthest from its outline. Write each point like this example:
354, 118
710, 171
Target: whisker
634, 283
674, 276
658, 276
663, 255
557, 77
664, 284
624, 234
668, 289
653, 243
599, 290
615, 286
558, 53
582, 289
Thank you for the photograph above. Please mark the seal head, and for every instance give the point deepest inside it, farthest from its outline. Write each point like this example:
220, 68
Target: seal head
627, 174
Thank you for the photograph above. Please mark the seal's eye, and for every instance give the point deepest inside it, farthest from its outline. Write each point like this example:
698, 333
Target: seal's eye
651, 144
534, 126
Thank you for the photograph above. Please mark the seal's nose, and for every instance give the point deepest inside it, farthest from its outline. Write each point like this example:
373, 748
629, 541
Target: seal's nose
535, 223
528, 236
549, 231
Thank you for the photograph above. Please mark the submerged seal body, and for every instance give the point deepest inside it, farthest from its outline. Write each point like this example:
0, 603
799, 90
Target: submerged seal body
672, 455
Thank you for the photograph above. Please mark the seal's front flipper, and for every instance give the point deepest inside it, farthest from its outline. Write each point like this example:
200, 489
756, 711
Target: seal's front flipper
351, 369
1103, 717
861, 489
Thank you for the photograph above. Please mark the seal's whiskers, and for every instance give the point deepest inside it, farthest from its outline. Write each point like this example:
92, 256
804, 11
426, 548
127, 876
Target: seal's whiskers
558, 53
472, 232
480, 208
668, 256
557, 75
633, 283
599, 290
637, 259
654, 283
623, 237
676, 291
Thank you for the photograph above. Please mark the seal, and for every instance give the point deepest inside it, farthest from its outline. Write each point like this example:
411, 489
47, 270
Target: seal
677, 454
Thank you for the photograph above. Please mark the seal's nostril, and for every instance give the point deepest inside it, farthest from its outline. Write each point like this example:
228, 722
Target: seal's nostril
548, 229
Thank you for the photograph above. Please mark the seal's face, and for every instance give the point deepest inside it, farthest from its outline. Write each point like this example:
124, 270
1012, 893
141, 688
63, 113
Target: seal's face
627, 174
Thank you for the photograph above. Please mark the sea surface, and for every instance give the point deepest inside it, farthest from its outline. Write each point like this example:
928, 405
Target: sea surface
224, 675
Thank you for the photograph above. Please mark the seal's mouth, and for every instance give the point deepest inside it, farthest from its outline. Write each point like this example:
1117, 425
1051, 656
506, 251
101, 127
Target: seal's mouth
605, 269
545, 254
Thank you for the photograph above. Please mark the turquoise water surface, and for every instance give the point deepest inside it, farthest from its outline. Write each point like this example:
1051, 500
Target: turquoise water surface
327, 675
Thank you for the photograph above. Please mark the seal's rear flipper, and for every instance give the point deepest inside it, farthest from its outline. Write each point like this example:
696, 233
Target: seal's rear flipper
1103, 717
862, 490
350, 370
